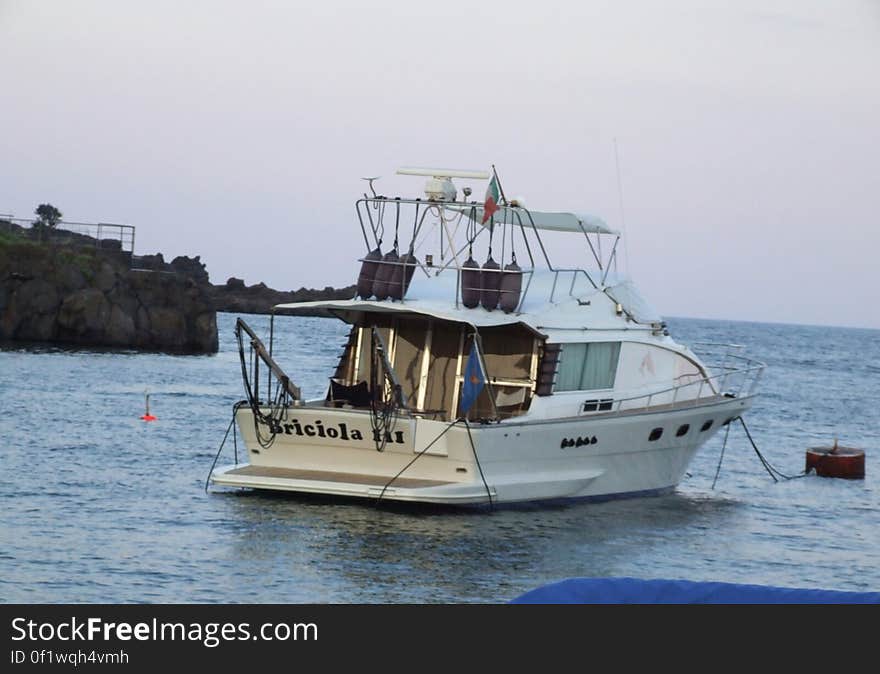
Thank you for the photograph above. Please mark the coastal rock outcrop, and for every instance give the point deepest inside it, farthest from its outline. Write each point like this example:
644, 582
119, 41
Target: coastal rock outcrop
236, 297
69, 288
91, 297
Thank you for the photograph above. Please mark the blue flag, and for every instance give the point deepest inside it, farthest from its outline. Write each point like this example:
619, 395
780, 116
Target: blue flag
474, 381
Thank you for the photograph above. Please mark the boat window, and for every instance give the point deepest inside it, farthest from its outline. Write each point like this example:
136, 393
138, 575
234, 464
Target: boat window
706, 426
507, 352
682, 430
585, 367
603, 405
655, 434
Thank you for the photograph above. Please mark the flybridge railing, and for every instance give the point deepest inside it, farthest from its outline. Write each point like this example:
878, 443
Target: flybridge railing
737, 379
103, 235
517, 225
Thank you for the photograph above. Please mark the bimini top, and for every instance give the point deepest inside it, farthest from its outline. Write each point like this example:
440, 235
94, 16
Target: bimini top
558, 221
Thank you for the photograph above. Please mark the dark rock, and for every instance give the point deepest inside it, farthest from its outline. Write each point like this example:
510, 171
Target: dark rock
87, 296
120, 327
70, 278
155, 262
167, 326
37, 328
235, 297
205, 333
37, 296
106, 277
83, 315
191, 267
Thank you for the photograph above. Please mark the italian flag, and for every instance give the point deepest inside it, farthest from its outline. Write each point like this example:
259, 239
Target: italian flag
493, 197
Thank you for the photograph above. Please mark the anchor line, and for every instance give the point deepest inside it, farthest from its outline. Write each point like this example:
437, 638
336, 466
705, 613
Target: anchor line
223, 443
431, 444
774, 472
721, 458
477, 460
414, 459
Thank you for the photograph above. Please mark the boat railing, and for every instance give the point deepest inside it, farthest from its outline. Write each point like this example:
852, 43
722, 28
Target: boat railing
564, 281
739, 377
518, 229
575, 274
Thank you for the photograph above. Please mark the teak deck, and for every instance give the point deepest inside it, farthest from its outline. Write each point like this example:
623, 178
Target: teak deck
330, 476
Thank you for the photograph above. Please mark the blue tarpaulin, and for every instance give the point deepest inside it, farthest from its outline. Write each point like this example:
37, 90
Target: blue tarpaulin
638, 591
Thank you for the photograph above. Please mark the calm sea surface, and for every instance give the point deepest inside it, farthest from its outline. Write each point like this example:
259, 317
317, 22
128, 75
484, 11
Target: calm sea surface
98, 506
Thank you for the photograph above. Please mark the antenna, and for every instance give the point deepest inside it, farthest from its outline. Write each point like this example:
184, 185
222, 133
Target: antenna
443, 173
370, 181
620, 205
439, 186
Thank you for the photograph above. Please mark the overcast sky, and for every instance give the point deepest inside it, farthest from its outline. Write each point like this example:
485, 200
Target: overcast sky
748, 131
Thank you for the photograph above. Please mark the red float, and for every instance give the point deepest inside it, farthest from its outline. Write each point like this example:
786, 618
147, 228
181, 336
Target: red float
836, 461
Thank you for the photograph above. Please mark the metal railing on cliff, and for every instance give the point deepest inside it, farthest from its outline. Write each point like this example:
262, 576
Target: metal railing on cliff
100, 235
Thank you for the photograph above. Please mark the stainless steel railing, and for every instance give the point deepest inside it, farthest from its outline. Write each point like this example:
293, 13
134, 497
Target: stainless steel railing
85, 234
736, 380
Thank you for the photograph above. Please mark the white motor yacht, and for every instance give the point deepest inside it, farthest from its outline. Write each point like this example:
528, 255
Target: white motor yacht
466, 380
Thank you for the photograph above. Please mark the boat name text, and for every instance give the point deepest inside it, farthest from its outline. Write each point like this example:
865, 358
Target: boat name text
340, 431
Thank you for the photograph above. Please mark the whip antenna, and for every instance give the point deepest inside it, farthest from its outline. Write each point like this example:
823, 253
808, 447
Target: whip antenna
620, 206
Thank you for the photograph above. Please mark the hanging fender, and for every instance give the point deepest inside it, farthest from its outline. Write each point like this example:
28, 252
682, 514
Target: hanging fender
367, 275
381, 284
471, 286
402, 275
490, 278
511, 287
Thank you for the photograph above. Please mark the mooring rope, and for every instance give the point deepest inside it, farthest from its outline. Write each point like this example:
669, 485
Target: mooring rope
277, 406
414, 459
477, 460
431, 444
772, 471
223, 442
769, 467
383, 409
721, 458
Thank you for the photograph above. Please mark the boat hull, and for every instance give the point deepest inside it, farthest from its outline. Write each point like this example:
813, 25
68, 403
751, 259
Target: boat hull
334, 452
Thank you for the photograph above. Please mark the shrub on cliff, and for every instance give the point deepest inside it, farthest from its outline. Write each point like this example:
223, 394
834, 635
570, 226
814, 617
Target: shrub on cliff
48, 218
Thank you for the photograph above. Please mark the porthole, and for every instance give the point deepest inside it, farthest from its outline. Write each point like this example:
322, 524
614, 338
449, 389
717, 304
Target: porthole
655, 434
682, 430
706, 426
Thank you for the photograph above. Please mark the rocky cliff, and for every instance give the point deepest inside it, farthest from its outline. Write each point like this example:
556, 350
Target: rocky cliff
92, 297
236, 297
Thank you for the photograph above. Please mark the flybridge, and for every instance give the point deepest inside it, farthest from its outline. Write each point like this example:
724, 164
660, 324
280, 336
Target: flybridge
441, 233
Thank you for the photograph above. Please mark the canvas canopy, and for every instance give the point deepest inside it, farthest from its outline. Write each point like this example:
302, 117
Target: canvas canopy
556, 221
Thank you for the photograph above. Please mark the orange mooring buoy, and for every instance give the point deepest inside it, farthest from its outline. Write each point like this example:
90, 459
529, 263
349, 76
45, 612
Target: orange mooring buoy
147, 416
836, 461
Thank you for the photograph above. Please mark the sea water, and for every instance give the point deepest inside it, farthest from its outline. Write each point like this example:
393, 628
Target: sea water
99, 506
